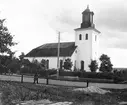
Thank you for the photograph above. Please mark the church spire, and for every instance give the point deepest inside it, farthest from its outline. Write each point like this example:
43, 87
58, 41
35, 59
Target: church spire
88, 6
87, 18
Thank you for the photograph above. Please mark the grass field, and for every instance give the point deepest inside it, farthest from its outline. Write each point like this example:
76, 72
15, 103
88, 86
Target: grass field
14, 92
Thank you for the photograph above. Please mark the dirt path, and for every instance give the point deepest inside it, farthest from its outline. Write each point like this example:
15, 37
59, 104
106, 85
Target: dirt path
65, 83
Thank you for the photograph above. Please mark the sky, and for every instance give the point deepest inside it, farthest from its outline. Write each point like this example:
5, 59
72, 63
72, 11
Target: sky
35, 22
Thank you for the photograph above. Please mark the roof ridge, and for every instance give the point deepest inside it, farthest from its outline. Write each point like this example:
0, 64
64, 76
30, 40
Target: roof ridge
57, 42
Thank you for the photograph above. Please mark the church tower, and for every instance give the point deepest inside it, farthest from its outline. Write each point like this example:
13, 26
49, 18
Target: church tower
87, 41
87, 18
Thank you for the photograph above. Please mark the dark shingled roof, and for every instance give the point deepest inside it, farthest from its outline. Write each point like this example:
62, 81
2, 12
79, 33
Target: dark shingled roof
50, 50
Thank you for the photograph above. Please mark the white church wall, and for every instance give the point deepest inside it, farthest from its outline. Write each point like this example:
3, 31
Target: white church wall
73, 59
52, 60
95, 45
84, 49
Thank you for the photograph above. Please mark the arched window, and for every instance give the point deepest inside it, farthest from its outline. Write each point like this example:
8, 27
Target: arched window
61, 64
82, 65
80, 37
47, 64
86, 36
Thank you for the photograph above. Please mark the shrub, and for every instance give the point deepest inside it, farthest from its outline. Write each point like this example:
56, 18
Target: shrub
25, 70
45, 73
120, 76
118, 79
67, 73
88, 74
3, 69
96, 75
93, 66
67, 64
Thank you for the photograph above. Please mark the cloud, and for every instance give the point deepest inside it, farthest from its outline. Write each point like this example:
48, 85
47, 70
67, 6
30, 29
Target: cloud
108, 14
113, 17
113, 39
118, 56
120, 44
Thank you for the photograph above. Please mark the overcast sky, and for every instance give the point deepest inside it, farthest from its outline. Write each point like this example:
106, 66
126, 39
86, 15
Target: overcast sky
35, 22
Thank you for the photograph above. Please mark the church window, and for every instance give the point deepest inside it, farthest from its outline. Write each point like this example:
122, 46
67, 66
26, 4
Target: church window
75, 69
61, 64
80, 37
86, 36
47, 64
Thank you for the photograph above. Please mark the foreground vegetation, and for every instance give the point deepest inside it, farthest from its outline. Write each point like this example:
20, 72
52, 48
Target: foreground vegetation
14, 92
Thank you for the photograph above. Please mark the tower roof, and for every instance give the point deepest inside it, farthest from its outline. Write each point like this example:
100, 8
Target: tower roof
89, 28
87, 10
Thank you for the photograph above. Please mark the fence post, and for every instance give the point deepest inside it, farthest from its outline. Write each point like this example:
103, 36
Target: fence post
47, 80
87, 83
22, 78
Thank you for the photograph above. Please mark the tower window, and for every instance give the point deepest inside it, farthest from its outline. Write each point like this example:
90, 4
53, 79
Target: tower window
80, 37
86, 36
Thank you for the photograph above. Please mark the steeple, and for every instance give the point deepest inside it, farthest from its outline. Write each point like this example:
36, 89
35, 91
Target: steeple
87, 18
87, 6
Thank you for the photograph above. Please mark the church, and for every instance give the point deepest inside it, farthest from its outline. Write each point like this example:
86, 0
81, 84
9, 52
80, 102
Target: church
84, 49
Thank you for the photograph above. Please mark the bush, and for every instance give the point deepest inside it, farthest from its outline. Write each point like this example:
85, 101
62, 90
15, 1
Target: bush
93, 66
96, 75
118, 79
3, 69
42, 73
45, 73
120, 76
67, 64
69, 73
88, 74
24, 70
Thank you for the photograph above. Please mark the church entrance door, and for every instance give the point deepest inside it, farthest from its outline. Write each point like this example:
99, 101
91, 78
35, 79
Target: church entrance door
82, 65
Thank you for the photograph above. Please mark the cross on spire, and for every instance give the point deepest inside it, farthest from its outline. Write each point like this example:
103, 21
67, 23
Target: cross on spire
88, 6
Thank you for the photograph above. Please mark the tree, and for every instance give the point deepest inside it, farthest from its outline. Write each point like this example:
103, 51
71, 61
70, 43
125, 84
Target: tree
67, 64
35, 66
14, 65
25, 65
25, 62
21, 57
6, 39
43, 64
106, 65
93, 66
4, 61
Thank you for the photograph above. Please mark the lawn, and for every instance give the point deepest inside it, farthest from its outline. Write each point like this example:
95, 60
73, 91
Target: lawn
14, 92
